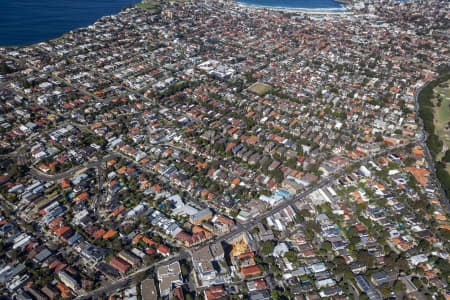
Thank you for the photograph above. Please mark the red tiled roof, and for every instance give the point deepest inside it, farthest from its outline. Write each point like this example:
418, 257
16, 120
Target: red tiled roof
163, 249
250, 271
214, 293
119, 264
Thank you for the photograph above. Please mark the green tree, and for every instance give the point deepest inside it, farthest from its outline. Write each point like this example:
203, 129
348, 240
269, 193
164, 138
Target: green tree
402, 264
348, 275
185, 270
445, 233
267, 247
15, 170
352, 232
399, 286
386, 290
189, 297
424, 245
117, 244
291, 256
199, 297
341, 266
363, 296
312, 226
277, 175
4, 69
299, 219
354, 240
416, 281
364, 257
327, 246
446, 157
444, 266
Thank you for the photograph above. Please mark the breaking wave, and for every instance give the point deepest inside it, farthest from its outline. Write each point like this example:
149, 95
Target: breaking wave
316, 9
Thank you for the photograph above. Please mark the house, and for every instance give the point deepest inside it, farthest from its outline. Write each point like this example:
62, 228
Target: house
222, 224
42, 255
261, 295
129, 258
119, 264
163, 250
380, 278
51, 292
302, 288
318, 267
367, 287
418, 259
35, 293
68, 280
331, 291
358, 267
328, 282
203, 215
256, 285
213, 293
275, 164
251, 271
178, 293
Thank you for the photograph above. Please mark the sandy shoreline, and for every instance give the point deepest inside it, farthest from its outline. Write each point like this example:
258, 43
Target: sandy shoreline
300, 11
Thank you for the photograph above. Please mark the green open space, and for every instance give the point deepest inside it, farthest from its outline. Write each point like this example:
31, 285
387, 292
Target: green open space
434, 110
259, 88
154, 6
442, 118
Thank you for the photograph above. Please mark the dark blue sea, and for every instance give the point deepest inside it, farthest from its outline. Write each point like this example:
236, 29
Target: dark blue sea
25, 22
307, 5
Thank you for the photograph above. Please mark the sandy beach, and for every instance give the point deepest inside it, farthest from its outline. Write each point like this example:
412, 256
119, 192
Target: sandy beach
297, 11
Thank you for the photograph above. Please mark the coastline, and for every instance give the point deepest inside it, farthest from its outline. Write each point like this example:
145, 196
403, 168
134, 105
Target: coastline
45, 40
345, 10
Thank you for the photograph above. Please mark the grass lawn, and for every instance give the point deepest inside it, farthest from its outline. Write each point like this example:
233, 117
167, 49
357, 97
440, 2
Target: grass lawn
259, 88
153, 6
442, 116
444, 109
148, 5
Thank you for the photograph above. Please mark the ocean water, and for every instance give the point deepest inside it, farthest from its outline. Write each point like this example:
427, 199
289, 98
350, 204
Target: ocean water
25, 22
307, 5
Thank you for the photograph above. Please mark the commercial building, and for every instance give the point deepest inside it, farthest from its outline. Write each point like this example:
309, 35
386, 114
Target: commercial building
169, 277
